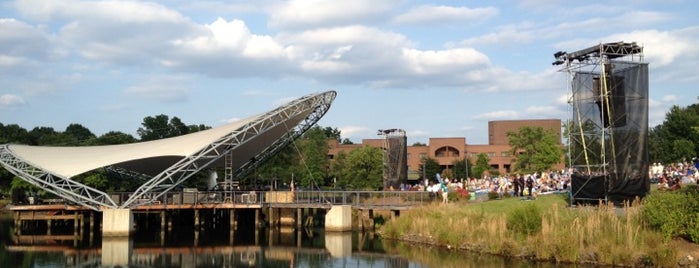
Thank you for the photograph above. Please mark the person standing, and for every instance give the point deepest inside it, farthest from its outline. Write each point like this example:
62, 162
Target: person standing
515, 182
520, 181
445, 193
530, 185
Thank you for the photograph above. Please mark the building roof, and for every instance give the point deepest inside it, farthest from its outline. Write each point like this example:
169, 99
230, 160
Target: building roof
70, 161
152, 157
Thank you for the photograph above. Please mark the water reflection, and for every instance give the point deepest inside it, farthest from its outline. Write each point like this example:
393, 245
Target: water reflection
279, 247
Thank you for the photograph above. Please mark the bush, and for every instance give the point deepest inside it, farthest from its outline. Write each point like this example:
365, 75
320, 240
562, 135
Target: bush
459, 194
525, 220
674, 214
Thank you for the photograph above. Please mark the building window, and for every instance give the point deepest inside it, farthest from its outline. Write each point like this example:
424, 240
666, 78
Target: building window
491, 154
447, 151
505, 154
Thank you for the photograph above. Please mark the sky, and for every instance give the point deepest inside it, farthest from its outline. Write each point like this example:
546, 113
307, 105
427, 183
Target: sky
431, 68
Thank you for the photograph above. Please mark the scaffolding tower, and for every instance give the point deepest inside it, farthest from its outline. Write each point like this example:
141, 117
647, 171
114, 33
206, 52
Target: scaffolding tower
608, 122
395, 154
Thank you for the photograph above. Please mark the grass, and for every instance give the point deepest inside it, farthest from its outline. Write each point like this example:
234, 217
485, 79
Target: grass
543, 229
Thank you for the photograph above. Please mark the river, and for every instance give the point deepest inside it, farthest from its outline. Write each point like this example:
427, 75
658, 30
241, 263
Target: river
244, 247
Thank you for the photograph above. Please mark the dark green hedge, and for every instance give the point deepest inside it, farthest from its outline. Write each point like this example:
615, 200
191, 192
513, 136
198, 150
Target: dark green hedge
674, 213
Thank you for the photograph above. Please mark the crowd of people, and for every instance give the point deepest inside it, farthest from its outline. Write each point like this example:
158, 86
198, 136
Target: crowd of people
672, 176
667, 177
522, 185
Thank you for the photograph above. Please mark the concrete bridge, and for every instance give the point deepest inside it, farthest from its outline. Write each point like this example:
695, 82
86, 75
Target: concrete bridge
270, 208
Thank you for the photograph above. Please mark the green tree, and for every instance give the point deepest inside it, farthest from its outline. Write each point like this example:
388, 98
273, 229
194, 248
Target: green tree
535, 149
79, 133
43, 136
347, 141
332, 133
363, 169
13, 133
462, 168
430, 167
158, 127
114, 137
482, 165
677, 138
313, 146
338, 167
95, 179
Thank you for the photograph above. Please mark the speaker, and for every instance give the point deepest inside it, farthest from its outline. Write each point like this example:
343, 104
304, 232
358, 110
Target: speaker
615, 96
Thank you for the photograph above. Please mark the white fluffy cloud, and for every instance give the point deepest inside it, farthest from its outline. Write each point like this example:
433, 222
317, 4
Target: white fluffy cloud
161, 89
10, 101
306, 14
431, 14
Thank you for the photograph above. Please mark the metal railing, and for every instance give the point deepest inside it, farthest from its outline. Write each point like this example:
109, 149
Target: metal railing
318, 198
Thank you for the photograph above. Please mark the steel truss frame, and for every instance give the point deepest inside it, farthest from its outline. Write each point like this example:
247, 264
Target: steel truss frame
69, 189
593, 60
188, 166
179, 172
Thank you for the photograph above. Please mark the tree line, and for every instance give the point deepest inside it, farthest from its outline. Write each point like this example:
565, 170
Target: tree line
306, 161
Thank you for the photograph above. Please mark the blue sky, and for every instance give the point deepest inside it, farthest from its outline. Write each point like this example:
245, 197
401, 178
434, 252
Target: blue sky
432, 68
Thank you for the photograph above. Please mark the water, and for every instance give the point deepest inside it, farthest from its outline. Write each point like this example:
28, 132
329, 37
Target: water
244, 247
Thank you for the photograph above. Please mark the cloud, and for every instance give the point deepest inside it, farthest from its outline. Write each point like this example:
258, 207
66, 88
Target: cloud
575, 24
283, 101
430, 14
498, 115
309, 14
544, 112
22, 47
349, 132
9, 101
161, 89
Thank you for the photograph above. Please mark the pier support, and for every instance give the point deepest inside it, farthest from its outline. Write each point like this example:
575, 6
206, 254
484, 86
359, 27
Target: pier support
117, 222
339, 218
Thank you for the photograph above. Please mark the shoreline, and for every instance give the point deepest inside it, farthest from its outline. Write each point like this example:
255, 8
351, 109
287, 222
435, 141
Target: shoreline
542, 231
688, 257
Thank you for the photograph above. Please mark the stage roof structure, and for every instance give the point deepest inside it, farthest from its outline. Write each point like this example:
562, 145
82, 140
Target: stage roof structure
167, 162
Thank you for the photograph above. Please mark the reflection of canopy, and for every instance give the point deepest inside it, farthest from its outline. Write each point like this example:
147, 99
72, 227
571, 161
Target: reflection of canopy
171, 161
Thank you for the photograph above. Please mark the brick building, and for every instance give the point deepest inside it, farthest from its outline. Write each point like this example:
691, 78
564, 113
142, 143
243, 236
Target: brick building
450, 149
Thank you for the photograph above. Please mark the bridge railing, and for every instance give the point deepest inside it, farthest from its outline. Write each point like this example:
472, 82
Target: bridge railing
364, 198
320, 198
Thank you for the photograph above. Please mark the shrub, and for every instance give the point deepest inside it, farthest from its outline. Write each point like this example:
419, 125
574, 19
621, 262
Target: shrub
674, 214
459, 194
525, 220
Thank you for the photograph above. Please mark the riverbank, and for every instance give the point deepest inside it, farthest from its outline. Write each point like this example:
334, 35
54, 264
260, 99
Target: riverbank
545, 229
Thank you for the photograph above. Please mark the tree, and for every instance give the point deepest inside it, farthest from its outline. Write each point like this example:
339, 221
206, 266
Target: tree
536, 150
313, 146
78, 132
114, 137
462, 168
677, 138
43, 136
363, 169
430, 167
155, 128
332, 133
196, 128
417, 143
482, 165
13, 133
347, 141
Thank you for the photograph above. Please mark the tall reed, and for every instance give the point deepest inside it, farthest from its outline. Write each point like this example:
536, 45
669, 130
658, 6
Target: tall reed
599, 234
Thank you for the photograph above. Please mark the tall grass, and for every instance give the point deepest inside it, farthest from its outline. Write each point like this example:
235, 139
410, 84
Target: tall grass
544, 229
